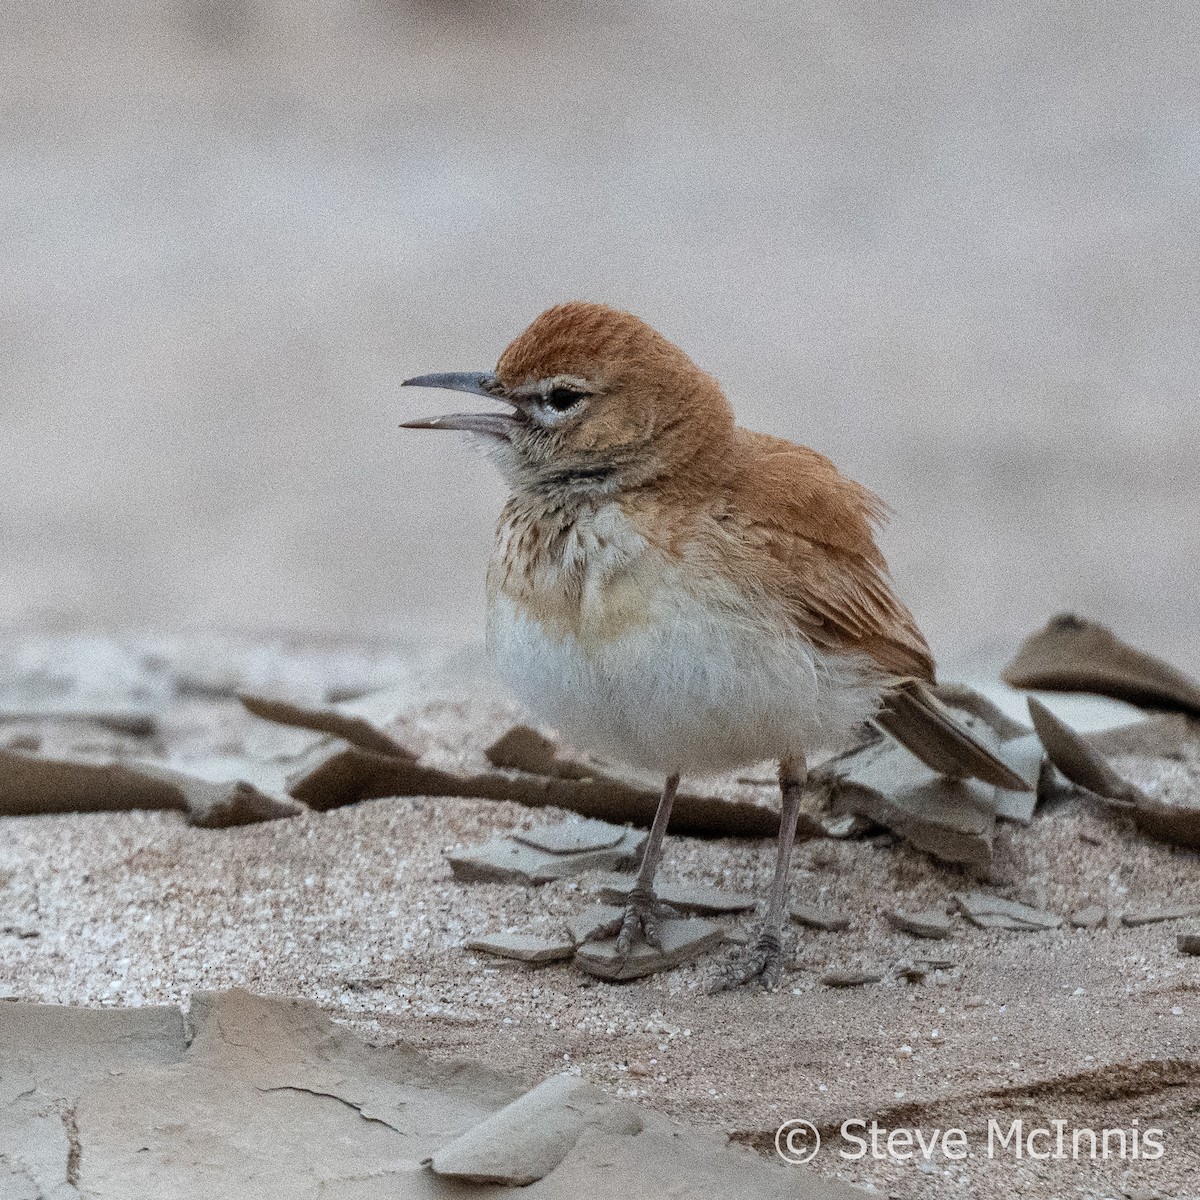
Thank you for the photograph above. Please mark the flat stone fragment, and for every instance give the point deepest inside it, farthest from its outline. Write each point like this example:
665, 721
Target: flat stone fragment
499, 861
846, 979
819, 918
930, 923
345, 720
528, 750
687, 897
1089, 918
523, 749
994, 912
1077, 760
528, 1138
1151, 916
593, 919
952, 819
572, 836
33, 783
268, 1098
525, 947
682, 940
970, 703
333, 773
1026, 756
508, 861
1076, 655
1188, 943
937, 964
845, 827
1082, 764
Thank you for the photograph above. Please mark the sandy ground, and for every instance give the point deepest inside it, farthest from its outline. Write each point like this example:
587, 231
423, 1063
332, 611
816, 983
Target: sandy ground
356, 909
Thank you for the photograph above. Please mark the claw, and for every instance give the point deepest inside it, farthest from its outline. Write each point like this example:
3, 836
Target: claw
640, 922
764, 963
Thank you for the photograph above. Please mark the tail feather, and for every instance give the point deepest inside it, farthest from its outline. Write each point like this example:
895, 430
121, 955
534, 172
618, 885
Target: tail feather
921, 723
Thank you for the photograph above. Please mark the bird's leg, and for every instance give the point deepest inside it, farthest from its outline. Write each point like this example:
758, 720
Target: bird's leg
643, 910
765, 960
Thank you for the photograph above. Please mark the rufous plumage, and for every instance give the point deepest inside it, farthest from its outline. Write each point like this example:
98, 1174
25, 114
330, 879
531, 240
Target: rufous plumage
684, 595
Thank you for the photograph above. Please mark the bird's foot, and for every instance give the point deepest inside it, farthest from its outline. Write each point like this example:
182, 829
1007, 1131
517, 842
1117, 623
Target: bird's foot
639, 922
762, 963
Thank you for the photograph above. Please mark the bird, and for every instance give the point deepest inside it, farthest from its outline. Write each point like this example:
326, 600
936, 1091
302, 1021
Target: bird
673, 591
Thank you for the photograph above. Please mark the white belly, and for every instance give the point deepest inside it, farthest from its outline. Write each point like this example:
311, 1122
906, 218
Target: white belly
695, 688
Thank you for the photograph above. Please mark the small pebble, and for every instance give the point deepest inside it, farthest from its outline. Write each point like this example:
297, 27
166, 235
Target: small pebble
927, 924
843, 979
816, 918
1189, 943
1090, 917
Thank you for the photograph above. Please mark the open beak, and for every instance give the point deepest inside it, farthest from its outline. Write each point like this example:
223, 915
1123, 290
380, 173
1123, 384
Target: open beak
478, 383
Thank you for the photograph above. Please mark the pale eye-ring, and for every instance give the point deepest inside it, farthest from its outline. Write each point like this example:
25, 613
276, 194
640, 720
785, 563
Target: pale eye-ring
561, 398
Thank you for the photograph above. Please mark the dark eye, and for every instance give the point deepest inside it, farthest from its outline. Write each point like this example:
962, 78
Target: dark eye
562, 398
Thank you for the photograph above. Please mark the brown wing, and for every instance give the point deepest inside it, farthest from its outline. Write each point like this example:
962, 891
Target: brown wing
817, 528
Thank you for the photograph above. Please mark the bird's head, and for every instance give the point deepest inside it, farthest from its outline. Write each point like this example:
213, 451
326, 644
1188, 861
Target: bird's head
597, 402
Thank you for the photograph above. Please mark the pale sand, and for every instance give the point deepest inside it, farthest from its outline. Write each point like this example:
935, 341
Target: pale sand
356, 910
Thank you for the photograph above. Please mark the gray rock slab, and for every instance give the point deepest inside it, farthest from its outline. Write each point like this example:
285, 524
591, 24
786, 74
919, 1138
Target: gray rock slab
929, 923
501, 860
51, 1056
1026, 756
682, 940
1152, 916
625, 853
525, 947
33, 783
593, 919
347, 720
506, 860
687, 897
954, 820
1076, 655
572, 836
1081, 764
970, 703
528, 1138
524, 749
1091, 917
825, 919
994, 912
269, 1098
669, 1160
333, 773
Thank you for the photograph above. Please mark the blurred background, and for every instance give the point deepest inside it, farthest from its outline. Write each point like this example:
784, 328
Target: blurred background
955, 247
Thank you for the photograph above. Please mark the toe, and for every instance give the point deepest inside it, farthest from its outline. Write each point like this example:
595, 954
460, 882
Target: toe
603, 932
650, 933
